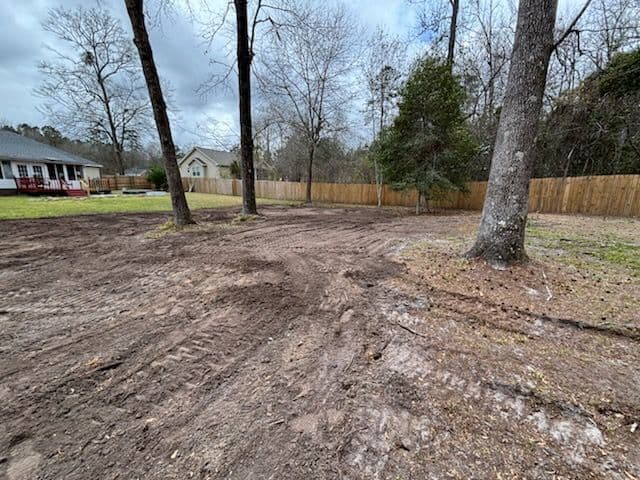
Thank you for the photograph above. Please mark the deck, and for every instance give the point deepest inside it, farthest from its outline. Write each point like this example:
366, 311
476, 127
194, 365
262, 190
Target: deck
47, 186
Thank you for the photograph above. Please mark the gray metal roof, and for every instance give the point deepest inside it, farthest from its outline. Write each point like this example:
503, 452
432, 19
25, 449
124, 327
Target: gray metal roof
16, 147
224, 159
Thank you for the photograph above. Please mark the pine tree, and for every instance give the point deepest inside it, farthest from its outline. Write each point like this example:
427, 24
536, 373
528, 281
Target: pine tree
428, 146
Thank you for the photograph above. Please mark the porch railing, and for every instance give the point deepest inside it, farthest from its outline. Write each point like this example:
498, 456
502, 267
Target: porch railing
38, 184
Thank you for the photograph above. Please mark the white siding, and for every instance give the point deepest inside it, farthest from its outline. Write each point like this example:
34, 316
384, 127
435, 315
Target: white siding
29, 165
7, 184
91, 172
75, 184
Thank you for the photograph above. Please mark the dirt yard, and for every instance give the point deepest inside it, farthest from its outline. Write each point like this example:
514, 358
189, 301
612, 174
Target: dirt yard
316, 343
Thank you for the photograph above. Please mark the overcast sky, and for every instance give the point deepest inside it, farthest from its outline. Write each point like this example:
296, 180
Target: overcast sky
180, 57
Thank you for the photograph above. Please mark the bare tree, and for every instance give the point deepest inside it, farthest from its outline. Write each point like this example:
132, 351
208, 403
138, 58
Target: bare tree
611, 26
181, 212
569, 65
246, 32
500, 237
593, 35
304, 73
433, 15
382, 73
268, 134
488, 52
94, 86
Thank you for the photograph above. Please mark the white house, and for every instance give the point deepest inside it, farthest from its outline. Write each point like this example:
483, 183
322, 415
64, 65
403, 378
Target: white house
29, 166
202, 162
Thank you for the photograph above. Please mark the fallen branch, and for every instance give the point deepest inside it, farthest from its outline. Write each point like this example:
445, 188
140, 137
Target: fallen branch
410, 330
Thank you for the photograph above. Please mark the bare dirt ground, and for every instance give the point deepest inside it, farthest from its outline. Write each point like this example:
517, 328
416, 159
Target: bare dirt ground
316, 343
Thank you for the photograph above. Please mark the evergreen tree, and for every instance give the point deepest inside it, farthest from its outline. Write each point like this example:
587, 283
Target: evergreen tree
428, 146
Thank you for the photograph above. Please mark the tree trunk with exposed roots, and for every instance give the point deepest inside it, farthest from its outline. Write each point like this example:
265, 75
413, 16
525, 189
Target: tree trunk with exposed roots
500, 238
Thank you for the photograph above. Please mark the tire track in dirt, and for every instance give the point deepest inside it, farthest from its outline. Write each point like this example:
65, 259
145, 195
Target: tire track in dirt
261, 350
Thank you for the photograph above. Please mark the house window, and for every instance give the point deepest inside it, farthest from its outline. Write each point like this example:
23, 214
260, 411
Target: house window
196, 170
71, 172
6, 170
79, 173
60, 172
37, 171
51, 168
23, 171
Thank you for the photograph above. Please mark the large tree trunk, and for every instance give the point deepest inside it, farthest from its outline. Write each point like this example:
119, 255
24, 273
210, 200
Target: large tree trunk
244, 90
453, 27
312, 152
117, 153
500, 237
181, 213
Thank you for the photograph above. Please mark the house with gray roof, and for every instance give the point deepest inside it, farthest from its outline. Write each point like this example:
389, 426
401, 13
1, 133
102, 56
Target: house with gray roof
202, 162
30, 166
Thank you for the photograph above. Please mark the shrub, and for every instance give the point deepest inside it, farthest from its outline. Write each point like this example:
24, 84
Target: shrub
158, 177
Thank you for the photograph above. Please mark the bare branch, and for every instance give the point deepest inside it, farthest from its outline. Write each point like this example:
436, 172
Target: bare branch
93, 85
571, 27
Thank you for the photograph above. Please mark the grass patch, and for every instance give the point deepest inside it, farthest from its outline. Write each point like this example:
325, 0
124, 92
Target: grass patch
240, 219
162, 230
22, 206
578, 249
170, 228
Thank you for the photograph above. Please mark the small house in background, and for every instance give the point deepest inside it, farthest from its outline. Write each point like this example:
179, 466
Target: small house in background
29, 166
202, 162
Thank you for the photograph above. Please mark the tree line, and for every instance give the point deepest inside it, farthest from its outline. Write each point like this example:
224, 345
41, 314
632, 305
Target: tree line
97, 93
310, 81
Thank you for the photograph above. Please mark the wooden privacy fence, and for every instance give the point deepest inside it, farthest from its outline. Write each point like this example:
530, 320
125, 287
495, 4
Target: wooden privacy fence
613, 195
119, 182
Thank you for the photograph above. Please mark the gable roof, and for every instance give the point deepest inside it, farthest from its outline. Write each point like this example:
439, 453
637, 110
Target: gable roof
136, 171
219, 157
17, 147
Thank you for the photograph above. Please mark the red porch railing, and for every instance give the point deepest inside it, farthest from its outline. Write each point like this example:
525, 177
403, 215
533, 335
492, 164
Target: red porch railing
44, 185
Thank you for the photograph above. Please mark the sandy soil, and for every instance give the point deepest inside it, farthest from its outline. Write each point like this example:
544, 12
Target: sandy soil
312, 344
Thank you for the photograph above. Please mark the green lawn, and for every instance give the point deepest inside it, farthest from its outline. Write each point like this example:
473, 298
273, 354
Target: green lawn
22, 206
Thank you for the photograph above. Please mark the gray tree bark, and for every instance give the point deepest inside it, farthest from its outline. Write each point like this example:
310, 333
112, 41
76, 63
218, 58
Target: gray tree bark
500, 237
181, 212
